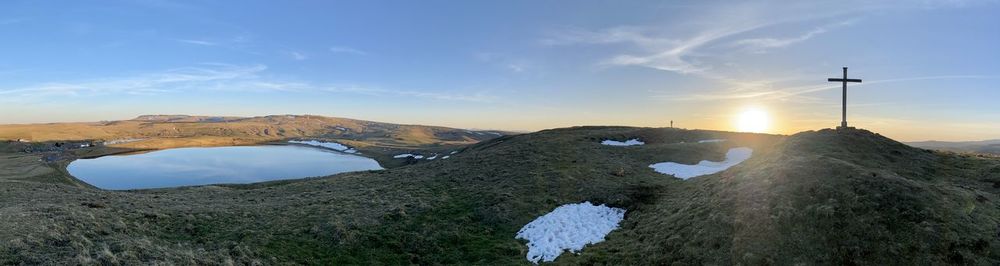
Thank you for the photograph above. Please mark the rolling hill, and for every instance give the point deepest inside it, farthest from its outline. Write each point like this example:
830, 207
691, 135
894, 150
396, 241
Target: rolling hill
985, 146
818, 197
163, 131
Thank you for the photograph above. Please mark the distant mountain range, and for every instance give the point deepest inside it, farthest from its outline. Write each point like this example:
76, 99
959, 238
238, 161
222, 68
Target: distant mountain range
984, 146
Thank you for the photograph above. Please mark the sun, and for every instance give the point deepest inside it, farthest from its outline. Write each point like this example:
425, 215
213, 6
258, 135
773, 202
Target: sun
753, 120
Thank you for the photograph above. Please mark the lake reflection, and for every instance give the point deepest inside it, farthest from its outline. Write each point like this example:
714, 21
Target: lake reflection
219, 165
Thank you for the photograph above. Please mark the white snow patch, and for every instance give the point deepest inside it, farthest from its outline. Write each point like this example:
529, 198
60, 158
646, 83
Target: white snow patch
432, 157
569, 227
328, 145
705, 167
711, 140
453, 152
121, 141
415, 156
446, 157
631, 142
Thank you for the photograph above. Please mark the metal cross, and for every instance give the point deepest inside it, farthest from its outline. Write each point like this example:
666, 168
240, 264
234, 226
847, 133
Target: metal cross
845, 80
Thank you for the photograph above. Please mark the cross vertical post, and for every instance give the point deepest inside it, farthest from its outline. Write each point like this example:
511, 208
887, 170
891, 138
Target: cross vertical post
844, 81
843, 110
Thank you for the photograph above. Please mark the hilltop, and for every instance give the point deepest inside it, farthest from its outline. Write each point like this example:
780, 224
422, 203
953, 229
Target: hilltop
818, 197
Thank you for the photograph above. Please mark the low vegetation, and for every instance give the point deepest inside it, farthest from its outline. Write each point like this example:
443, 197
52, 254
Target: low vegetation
825, 197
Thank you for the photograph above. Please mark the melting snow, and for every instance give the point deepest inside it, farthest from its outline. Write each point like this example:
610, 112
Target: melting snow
415, 156
328, 145
685, 171
569, 227
711, 140
118, 141
631, 142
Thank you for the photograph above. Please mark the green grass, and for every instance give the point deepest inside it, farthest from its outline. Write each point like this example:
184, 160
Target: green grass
826, 197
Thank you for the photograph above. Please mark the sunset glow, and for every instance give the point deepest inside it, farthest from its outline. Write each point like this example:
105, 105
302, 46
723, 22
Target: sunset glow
753, 120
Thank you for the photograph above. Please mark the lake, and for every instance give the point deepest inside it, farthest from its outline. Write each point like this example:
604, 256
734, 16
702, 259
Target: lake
217, 165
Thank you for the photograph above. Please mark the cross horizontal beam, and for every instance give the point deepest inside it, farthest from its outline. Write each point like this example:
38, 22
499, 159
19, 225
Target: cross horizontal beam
843, 80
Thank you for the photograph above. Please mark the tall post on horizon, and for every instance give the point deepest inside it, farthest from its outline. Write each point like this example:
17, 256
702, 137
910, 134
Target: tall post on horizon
844, 81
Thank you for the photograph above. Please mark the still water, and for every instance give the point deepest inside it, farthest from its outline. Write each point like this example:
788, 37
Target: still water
218, 165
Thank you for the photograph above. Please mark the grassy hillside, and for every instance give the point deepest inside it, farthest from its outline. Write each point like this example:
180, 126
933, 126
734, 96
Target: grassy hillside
61, 142
826, 197
983, 147
174, 131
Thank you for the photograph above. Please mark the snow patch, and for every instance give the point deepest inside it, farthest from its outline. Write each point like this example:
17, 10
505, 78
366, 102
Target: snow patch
121, 141
631, 142
711, 140
432, 157
569, 227
453, 152
415, 156
684, 171
446, 157
328, 145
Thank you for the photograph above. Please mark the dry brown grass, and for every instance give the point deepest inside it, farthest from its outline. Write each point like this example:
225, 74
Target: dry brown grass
826, 197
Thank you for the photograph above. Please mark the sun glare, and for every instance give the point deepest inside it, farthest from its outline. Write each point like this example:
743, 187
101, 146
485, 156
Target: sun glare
753, 120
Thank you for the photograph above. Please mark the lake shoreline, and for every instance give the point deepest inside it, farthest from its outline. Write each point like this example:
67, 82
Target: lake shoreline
200, 166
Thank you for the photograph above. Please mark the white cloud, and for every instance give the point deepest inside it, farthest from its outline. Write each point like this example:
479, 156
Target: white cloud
206, 77
761, 44
771, 92
517, 65
172, 80
690, 43
347, 50
198, 42
476, 97
655, 49
297, 56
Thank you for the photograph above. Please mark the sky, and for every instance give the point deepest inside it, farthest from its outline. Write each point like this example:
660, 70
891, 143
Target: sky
930, 68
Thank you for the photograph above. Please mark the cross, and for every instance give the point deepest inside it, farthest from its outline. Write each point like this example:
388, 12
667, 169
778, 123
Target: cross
845, 80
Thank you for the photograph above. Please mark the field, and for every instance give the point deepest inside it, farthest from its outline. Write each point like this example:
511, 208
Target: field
823, 197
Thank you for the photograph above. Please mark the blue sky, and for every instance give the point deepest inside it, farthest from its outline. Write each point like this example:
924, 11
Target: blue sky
931, 68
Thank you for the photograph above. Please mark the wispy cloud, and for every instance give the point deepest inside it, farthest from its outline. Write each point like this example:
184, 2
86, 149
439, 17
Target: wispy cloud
207, 77
762, 44
516, 65
702, 43
173, 80
198, 42
298, 56
10, 21
347, 50
475, 97
239, 43
797, 93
